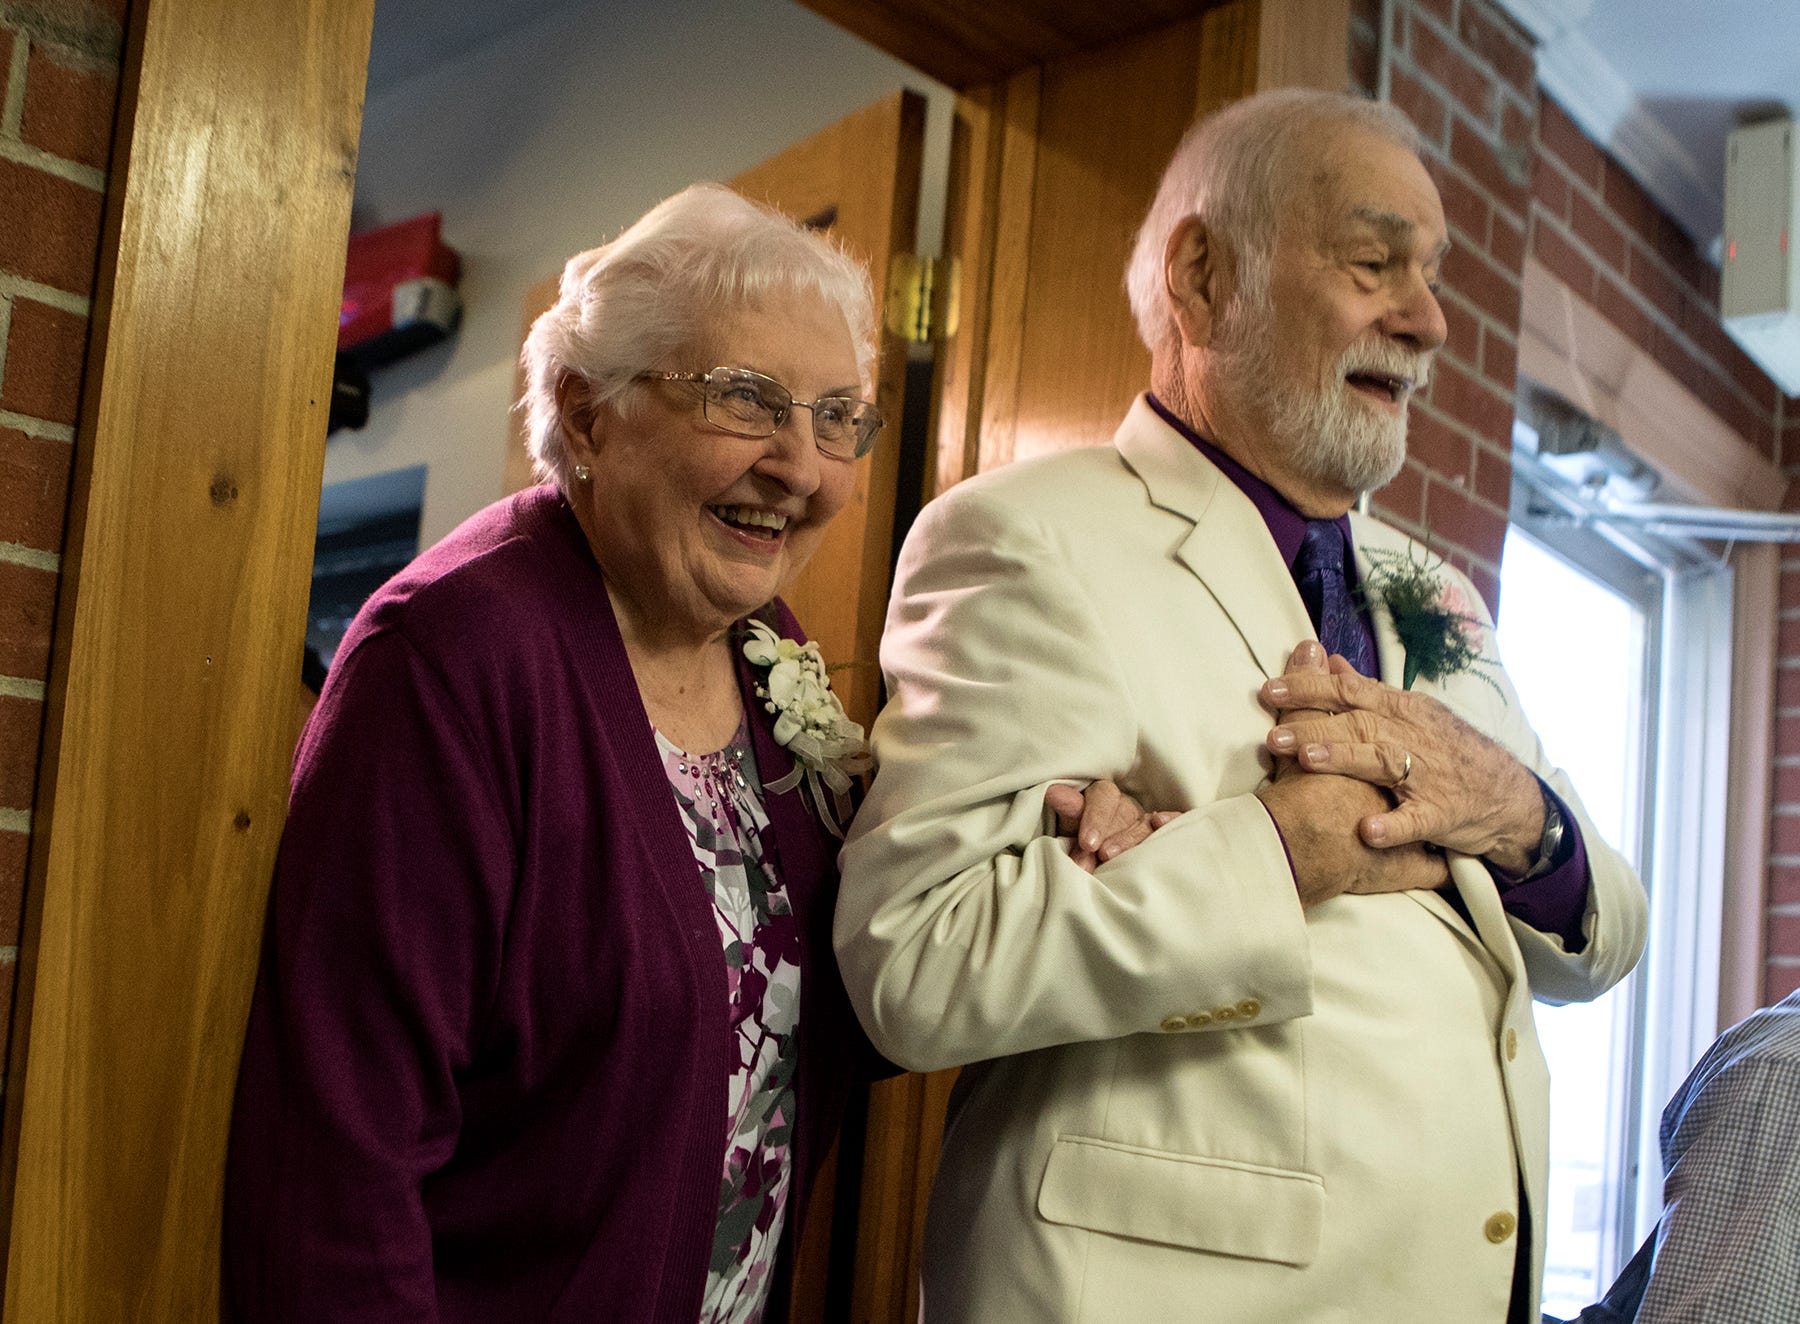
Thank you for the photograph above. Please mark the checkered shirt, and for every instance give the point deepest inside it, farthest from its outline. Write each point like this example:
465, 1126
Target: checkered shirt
1727, 1249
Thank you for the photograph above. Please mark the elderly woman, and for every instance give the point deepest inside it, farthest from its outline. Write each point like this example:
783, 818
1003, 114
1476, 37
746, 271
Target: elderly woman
547, 1026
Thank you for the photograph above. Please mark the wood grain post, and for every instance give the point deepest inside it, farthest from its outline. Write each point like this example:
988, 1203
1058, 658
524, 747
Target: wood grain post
177, 648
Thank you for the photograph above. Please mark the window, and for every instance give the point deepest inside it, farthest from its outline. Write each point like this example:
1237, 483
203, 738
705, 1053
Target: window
1619, 645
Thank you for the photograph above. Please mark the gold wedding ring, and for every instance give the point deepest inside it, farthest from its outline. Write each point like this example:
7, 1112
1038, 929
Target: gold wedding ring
1405, 770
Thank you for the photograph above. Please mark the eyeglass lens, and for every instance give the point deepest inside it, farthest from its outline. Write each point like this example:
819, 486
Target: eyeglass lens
755, 405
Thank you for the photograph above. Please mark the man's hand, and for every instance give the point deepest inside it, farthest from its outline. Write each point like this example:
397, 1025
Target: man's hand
1309, 658
1318, 815
1103, 820
1453, 786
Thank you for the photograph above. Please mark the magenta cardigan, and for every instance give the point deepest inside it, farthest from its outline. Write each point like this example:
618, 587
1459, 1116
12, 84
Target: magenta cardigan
485, 1072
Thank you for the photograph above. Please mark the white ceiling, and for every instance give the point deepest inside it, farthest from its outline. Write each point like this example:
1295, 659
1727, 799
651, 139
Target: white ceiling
414, 36
1659, 82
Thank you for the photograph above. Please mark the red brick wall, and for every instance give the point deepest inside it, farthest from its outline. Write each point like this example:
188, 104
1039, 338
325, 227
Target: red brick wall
1603, 237
1466, 76
1782, 974
59, 76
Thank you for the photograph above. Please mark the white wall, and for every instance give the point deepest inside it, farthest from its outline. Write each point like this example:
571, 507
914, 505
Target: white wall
552, 140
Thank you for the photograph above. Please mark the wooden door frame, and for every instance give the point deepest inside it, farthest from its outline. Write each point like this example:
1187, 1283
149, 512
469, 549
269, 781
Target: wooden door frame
179, 627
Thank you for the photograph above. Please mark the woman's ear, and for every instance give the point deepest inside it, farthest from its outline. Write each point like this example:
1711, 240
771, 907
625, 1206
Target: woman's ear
1191, 280
576, 411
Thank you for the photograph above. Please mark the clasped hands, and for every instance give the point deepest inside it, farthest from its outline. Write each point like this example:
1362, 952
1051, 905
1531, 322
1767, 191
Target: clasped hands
1372, 784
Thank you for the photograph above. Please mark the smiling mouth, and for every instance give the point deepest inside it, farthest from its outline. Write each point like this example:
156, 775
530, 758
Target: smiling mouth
767, 524
1388, 386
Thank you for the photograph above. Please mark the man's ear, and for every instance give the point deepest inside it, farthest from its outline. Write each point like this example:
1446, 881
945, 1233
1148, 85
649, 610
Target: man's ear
1191, 280
576, 411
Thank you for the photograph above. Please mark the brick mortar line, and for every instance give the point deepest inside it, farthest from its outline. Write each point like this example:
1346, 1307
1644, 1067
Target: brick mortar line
1418, 72
18, 687
1487, 321
1443, 419
1785, 909
32, 427
12, 115
18, 287
1464, 483
97, 39
15, 820
15, 554
1455, 42
25, 154
1784, 962
1453, 104
1635, 244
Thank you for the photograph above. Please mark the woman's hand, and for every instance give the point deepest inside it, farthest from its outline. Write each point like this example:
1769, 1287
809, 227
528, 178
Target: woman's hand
1103, 820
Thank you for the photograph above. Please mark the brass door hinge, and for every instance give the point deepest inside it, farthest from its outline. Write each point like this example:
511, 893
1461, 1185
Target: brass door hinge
921, 297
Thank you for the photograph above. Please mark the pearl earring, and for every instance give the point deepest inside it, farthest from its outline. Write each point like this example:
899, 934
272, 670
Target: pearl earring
583, 473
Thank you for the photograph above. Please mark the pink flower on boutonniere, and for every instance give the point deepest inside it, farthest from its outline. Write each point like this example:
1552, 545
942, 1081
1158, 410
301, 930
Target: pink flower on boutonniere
1441, 635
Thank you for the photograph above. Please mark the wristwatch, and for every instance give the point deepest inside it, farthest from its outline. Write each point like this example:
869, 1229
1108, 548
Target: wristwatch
1550, 844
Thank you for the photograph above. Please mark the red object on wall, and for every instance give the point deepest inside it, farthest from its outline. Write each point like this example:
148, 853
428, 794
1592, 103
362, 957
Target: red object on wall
399, 291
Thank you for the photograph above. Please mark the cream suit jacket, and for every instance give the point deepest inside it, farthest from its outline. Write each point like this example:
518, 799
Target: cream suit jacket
1190, 1100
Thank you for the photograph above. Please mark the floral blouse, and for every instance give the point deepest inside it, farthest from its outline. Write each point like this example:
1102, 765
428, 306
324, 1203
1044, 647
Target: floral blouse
721, 802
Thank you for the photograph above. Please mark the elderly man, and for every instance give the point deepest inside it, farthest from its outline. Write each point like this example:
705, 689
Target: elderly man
1276, 1063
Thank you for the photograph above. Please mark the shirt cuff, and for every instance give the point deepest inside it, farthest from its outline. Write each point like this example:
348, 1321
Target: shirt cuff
1557, 901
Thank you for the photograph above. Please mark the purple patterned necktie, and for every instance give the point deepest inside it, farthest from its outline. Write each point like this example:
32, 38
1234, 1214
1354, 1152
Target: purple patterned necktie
1319, 574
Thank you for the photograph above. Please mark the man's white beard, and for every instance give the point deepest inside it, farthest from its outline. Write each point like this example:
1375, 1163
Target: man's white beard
1326, 436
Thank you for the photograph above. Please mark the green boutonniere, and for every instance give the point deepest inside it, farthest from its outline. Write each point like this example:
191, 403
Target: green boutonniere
1441, 636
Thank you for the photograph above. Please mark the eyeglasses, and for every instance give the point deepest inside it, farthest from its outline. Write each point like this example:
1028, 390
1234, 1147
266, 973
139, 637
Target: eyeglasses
751, 405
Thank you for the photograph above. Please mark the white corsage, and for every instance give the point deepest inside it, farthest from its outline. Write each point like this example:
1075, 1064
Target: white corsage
810, 723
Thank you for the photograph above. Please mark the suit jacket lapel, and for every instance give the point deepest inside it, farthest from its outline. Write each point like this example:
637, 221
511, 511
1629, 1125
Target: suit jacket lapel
1229, 550
1470, 876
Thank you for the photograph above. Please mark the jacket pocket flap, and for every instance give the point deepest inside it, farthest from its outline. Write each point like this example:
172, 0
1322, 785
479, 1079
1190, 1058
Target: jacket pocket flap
1184, 1200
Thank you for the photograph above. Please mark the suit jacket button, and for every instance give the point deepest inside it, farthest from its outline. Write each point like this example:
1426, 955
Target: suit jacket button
1199, 1019
1173, 1023
1512, 1044
1500, 1226
1249, 1009
1225, 1013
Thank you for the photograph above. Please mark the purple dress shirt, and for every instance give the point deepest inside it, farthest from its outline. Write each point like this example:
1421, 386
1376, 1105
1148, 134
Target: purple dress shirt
1553, 903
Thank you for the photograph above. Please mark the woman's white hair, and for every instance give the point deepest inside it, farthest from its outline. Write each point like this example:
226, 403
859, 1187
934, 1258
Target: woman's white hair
654, 293
1235, 170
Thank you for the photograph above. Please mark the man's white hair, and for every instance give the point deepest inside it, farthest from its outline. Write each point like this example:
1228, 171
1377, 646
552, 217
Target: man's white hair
1236, 171
656, 292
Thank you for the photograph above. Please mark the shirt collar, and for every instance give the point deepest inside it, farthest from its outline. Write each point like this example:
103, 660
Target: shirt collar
1286, 525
